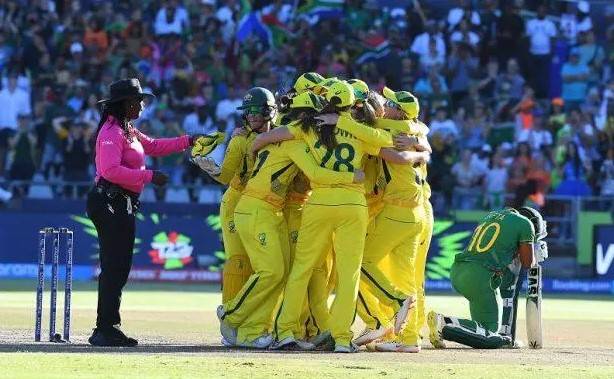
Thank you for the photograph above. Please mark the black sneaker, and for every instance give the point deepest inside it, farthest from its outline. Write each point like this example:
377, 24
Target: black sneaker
112, 336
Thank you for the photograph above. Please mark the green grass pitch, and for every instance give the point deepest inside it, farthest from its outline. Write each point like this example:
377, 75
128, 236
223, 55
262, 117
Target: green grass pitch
178, 334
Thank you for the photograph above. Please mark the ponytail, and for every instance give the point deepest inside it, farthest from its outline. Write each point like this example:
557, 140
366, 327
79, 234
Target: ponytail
117, 110
327, 136
365, 114
306, 116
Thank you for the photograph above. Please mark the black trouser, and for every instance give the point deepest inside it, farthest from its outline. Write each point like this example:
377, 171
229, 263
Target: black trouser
116, 230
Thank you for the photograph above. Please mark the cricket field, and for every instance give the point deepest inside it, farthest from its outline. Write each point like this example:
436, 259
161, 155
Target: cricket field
178, 338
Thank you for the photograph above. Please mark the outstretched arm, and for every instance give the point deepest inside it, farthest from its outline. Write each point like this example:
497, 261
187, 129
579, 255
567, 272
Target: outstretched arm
403, 157
273, 136
159, 147
405, 142
367, 134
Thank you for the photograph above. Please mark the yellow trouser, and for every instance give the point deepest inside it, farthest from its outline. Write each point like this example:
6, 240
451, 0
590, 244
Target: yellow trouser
394, 226
370, 311
375, 205
423, 248
375, 314
315, 315
368, 307
395, 233
344, 226
263, 231
237, 268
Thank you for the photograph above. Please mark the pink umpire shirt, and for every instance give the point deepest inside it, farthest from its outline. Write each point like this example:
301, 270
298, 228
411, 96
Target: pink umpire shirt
123, 163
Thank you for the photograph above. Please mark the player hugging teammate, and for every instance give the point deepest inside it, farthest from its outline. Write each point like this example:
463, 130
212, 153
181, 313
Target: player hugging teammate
327, 194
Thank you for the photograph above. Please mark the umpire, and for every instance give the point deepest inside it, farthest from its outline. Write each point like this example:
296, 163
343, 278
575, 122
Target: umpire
113, 200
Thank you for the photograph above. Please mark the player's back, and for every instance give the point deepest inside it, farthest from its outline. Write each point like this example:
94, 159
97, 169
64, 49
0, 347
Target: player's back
495, 240
346, 156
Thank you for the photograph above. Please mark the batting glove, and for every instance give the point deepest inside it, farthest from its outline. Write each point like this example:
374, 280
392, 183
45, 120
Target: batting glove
541, 251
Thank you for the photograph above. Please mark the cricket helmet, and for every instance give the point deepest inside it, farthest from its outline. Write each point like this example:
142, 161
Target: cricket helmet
539, 224
308, 100
404, 100
259, 100
341, 94
308, 81
361, 89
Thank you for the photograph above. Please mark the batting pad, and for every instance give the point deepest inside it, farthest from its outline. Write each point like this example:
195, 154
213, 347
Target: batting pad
472, 334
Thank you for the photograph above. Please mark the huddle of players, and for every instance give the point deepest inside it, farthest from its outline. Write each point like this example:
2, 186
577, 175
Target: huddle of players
326, 191
322, 196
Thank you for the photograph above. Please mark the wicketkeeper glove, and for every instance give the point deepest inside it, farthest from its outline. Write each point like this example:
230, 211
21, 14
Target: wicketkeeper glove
207, 164
204, 145
541, 251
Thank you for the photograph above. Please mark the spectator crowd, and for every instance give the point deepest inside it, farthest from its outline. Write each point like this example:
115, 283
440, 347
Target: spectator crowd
519, 95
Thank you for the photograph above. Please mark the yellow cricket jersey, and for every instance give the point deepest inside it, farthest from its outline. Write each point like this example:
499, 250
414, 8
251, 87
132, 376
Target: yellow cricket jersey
238, 162
347, 155
373, 193
371, 168
277, 165
365, 133
402, 182
423, 131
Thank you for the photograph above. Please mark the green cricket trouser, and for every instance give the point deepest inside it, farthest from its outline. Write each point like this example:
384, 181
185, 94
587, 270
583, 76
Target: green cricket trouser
473, 281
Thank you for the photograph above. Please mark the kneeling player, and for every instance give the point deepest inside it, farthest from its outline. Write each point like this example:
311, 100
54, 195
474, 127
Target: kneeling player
487, 271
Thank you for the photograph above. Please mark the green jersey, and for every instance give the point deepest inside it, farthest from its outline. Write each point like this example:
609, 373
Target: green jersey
495, 240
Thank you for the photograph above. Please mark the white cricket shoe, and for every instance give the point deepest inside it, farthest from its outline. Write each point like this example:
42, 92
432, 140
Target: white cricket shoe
262, 342
228, 332
397, 347
369, 335
400, 319
225, 343
436, 323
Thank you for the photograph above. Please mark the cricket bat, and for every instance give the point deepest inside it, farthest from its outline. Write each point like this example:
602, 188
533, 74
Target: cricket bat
534, 307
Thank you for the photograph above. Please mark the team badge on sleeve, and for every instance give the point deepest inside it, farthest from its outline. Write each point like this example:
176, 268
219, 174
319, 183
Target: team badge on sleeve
262, 239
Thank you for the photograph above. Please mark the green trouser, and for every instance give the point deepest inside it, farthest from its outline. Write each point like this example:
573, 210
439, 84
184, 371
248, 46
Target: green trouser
473, 281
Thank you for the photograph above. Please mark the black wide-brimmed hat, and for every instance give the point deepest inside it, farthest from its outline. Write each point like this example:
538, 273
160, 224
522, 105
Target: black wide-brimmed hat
125, 89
